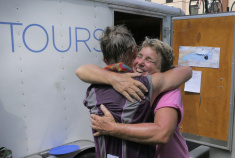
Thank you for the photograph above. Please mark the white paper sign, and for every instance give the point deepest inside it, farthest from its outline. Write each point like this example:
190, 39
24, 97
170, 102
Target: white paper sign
194, 84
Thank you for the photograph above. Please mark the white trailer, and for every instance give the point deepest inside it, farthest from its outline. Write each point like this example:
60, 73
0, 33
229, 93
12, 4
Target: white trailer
42, 43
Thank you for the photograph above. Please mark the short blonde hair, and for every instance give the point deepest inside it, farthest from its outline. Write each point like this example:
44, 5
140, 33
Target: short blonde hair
165, 50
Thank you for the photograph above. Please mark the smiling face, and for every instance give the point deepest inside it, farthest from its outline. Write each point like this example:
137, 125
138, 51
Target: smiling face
147, 61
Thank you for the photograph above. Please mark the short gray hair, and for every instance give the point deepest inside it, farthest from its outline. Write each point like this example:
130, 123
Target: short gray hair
116, 44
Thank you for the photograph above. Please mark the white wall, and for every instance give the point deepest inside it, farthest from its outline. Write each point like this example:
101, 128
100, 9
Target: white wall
41, 99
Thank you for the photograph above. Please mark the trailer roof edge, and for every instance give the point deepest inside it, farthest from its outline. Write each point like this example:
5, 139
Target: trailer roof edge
145, 5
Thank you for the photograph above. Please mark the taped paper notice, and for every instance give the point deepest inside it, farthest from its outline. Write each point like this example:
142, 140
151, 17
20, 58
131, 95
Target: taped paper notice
194, 84
199, 56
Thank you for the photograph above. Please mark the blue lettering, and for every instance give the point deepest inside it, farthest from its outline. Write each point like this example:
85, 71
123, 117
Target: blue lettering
36, 51
76, 28
83, 32
53, 36
12, 37
97, 38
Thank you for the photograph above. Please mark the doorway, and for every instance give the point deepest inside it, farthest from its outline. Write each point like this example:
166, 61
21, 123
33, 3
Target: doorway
139, 25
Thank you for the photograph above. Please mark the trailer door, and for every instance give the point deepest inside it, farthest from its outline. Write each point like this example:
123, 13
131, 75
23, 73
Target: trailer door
197, 41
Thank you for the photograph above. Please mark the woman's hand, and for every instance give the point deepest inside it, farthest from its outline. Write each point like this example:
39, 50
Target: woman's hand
103, 125
128, 87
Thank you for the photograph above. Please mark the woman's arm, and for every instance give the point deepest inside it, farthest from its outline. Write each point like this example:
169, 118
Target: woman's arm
94, 74
123, 83
170, 79
159, 132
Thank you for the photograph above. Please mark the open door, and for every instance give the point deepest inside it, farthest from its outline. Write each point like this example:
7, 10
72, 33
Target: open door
208, 115
139, 25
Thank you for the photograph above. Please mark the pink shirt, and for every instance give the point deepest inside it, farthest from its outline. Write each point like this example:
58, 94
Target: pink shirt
176, 147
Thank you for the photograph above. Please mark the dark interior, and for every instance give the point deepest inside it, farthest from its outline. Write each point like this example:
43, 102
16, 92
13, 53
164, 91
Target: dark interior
139, 25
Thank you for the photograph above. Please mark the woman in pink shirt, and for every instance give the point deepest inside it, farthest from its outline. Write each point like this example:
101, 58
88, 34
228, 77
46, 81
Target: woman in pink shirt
176, 146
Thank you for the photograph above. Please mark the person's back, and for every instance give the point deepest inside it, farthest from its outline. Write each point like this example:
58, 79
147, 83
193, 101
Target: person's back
123, 112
